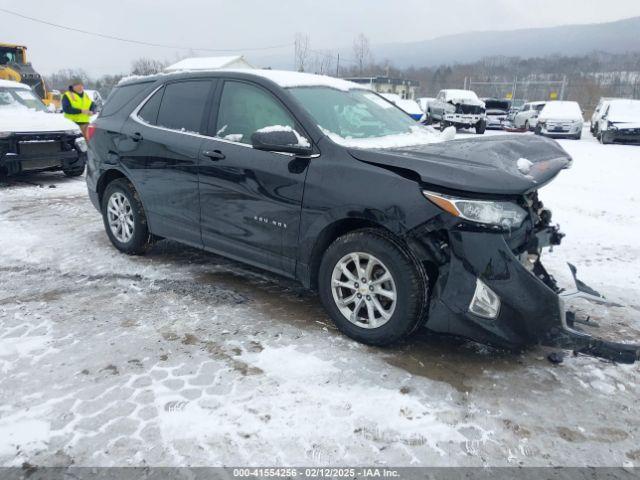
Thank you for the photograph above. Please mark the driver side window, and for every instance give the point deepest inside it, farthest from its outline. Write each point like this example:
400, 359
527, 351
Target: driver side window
245, 109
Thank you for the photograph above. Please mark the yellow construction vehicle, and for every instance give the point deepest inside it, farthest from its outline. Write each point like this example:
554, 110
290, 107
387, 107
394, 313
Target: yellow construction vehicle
14, 66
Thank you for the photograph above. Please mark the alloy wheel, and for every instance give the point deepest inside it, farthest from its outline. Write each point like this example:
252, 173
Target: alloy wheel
120, 217
364, 290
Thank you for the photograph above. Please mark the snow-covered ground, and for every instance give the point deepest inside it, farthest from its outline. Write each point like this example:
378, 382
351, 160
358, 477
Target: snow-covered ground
184, 358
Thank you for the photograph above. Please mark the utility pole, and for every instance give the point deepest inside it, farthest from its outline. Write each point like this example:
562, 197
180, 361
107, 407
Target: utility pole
338, 66
564, 82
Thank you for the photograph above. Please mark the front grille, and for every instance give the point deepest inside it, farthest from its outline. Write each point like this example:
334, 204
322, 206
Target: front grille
563, 126
469, 109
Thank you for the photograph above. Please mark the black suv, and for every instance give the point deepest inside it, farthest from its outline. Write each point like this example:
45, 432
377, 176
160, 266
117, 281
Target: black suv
320, 180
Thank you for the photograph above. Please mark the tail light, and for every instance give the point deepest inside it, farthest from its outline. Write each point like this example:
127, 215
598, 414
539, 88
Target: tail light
90, 132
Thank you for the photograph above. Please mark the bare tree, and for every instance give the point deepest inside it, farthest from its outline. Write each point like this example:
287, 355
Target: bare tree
147, 66
301, 51
323, 62
362, 52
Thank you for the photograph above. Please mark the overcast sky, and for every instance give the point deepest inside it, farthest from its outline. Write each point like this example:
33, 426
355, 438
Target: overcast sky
247, 24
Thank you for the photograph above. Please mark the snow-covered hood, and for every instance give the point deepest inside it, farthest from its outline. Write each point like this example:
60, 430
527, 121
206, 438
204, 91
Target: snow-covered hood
466, 101
27, 120
489, 165
560, 117
625, 124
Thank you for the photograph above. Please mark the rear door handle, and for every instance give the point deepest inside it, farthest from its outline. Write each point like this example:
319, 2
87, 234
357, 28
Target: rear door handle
136, 137
214, 155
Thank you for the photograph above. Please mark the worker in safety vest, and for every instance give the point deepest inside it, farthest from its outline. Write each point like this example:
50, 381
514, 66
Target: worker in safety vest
77, 106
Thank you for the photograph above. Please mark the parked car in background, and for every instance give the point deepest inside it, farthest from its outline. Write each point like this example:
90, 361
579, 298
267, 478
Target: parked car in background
96, 97
597, 115
458, 108
527, 117
34, 139
620, 122
516, 106
406, 105
497, 112
560, 119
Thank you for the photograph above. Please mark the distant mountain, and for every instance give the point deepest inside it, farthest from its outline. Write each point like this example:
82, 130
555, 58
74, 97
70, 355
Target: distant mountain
613, 37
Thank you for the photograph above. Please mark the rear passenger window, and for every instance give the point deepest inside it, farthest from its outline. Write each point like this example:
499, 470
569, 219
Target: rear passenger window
149, 112
183, 105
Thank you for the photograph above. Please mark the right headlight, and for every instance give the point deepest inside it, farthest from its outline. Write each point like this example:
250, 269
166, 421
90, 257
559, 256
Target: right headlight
487, 212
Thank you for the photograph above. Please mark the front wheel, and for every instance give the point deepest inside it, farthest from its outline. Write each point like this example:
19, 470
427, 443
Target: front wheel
481, 126
604, 139
372, 287
124, 218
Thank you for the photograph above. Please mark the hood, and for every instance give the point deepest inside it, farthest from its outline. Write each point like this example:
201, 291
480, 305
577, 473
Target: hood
488, 165
466, 101
27, 120
626, 124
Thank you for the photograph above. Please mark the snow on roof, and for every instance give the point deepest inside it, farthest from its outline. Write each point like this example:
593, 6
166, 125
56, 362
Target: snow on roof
561, 110
284, 78
287, 79
209, 63
12, 84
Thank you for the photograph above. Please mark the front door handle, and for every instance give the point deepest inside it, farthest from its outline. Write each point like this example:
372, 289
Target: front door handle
214, 155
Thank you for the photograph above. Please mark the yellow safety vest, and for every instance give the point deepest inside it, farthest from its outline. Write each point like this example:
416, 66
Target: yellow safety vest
79, 102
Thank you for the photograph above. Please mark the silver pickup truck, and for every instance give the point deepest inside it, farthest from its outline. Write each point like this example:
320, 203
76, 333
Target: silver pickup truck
458, 108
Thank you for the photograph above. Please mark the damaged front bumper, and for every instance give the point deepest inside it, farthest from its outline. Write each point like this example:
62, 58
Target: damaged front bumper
531, 307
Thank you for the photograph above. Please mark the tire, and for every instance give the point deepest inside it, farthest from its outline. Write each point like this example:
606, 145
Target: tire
443, 125
577, 136
604, 139
481, 127
428, 120
527, 126
538, 130
74, 172
402, 316
121, 198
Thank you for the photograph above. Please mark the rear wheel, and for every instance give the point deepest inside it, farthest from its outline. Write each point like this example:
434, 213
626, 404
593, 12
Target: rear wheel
527, 126
372, 287
124, 218
481, 126
443, 125
604, 138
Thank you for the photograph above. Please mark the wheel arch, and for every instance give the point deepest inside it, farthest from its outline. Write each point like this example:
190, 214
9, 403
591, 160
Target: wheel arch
106, 178
327, 236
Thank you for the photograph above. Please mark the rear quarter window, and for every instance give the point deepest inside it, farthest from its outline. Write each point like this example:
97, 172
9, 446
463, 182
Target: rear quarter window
123, 95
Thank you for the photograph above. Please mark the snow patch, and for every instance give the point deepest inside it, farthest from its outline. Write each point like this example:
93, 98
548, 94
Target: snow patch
524, 166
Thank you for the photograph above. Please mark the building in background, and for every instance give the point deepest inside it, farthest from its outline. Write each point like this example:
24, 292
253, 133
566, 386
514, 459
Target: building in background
406, 89
210, 63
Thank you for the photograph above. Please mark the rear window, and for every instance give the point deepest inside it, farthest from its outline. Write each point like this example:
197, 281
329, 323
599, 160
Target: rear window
183, 105
121, 96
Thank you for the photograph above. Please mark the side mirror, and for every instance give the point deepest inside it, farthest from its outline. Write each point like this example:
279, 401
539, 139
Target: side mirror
281, 139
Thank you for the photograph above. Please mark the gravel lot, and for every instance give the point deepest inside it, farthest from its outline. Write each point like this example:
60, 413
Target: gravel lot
185, 358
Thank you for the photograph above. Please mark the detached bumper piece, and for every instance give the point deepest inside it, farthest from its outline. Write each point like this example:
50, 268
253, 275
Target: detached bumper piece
580, 342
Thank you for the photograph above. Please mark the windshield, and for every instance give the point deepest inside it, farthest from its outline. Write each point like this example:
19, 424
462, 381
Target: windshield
626, 110
352, 117
19, 98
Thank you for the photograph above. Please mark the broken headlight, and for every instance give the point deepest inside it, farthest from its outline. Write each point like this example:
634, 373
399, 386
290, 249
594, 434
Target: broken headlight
502, 214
